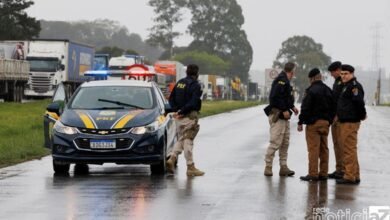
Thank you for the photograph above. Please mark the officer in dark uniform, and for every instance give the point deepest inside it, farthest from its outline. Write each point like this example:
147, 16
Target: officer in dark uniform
279, 112
317, 112
335, 70
185, 100
350, 112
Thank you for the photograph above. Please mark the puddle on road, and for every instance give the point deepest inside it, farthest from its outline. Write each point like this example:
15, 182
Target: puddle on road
10, 173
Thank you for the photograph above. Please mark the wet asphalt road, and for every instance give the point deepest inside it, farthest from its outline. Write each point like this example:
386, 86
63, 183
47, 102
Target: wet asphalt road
230, 149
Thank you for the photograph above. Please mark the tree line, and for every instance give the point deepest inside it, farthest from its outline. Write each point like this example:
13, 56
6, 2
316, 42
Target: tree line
219, 44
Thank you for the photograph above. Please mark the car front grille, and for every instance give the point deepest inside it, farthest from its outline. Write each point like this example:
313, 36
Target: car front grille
104, 131
41, 84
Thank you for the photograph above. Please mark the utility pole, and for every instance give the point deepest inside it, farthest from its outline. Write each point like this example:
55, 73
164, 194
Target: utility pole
376, 66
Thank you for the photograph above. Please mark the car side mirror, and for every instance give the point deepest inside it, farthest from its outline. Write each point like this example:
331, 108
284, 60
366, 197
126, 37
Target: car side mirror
168, 108
62, 67
54, 107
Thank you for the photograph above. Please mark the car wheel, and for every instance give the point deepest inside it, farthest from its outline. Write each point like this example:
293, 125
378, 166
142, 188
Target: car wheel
81, 169
161, 167
60, 168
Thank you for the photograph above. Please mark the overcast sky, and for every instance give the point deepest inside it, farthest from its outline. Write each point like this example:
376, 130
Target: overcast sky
343, 27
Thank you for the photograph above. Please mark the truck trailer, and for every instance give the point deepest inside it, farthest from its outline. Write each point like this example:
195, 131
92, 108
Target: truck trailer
55, 61
14, 70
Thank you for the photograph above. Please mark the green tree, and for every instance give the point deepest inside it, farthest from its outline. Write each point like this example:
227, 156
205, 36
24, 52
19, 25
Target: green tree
15, 24
112, 51
177, 50
131, 51
208, 63
216, 26
307, 54
168, 13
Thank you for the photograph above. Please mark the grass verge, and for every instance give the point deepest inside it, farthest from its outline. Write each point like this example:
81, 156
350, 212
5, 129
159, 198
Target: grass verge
217, 107
21, 132
21, 127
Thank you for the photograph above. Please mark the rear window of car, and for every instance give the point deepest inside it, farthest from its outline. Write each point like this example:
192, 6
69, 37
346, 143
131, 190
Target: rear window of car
105, 97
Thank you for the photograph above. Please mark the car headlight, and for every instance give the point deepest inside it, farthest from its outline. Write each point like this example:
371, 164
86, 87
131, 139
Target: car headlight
146, 129
61, 128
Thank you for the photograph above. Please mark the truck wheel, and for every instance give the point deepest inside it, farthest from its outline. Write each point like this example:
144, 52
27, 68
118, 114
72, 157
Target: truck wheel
60, 168
21, 93
14, 93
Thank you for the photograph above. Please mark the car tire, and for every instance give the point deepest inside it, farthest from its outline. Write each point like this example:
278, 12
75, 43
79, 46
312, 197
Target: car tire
81, 169
161, 167
60, 168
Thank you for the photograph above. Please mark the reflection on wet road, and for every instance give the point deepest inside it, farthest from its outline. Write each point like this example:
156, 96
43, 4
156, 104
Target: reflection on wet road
230, 148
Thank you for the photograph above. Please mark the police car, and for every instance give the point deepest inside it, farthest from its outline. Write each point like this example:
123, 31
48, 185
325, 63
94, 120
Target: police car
122, 122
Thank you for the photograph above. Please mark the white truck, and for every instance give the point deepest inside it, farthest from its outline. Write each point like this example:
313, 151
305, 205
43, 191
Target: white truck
125, 61
207, 87
55, 61
14, 70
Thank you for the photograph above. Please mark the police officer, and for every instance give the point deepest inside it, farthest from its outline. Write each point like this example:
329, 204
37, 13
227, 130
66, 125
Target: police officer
350, 112
185, 100
317, 112
335, 70
279, 112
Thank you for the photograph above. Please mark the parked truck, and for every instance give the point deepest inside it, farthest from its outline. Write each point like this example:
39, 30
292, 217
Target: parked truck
14, 70
253, 91
173, 70
56, 61
100, 61
209, 86
125, 61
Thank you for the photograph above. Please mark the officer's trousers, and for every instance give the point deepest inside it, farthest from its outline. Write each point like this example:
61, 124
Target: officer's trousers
317, 147
187, 129
348, 137
338, 151
279, 140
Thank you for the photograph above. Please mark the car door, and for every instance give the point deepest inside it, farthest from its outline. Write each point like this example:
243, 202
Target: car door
60, 98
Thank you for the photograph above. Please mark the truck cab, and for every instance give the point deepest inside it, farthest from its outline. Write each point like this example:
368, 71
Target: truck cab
56, 61
125, 61
100, 61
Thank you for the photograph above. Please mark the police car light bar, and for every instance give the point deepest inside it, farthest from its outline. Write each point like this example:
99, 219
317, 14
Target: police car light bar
123, 74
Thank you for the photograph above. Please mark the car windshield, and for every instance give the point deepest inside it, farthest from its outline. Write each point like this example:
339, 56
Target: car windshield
113, 97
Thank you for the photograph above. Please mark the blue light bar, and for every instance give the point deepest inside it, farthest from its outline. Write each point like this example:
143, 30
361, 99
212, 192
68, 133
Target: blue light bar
97, 74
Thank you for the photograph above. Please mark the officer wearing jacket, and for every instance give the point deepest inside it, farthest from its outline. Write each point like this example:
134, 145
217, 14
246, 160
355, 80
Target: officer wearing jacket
185, 100
279, 112
317, 112
335, 70
350, 112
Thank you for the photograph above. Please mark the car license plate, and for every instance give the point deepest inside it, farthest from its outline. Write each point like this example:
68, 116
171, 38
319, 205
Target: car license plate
102, 144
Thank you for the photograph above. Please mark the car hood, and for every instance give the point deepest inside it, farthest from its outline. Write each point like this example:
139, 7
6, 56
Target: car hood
108, 119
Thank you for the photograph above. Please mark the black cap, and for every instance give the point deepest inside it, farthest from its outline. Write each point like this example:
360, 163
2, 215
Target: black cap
314, 72
349, 68
334, 66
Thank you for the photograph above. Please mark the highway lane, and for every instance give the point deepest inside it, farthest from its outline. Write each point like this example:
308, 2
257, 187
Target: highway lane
230, 149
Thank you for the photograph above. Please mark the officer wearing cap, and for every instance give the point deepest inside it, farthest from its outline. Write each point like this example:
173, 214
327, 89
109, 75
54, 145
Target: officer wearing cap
335, 70
350, 112
185, 99
279, 112
317, 112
